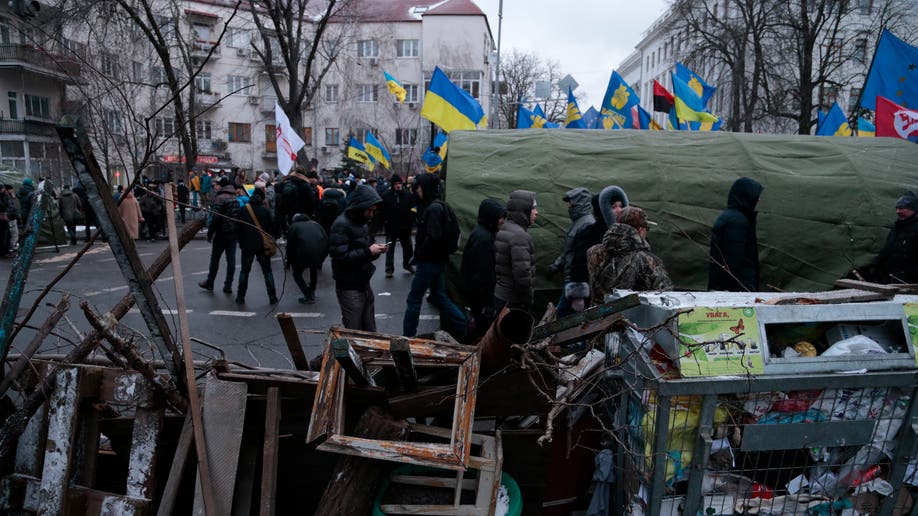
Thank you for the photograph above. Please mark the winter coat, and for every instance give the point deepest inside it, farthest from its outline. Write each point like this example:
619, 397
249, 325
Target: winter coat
628, 264
581, 214
514, 252
26, 195
250, 238
130, 213
207, 183
151, 205
898, 261
224, 204
734, 252
89, 215
181, 193
333, 204
477, 268
429, 243
349, 242
396, 211
300, 196
307, 242
70, 205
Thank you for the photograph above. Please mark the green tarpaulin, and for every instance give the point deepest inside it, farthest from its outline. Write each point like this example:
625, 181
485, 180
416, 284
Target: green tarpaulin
827, 206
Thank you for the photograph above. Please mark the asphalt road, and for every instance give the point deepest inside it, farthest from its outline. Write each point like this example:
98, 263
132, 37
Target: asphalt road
247, 333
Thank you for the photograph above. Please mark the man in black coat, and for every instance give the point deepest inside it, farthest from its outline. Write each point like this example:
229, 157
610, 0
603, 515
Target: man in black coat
307, 247
222, 232
300, 196
734, 251
352, 255
898, 261
477, 269
182, 193
431, 254
89, 215
397, 215
254, 219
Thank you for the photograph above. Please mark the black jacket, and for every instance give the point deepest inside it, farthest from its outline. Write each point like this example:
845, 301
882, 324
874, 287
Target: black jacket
477, 269
249, 237
734, 251
181, 193
429, 246
396, 211
89, 215
898, 261
349, 242
299, 196
25, 194
225, 204
307, 242
586, 238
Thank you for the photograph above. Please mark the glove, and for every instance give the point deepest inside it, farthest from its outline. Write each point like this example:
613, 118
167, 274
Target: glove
552, 270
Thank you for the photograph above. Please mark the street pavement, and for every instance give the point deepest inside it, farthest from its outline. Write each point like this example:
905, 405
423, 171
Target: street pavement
248, 333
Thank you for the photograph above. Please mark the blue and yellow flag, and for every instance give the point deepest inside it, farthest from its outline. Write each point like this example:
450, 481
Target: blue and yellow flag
893, 74
835, 123
526, 119
376, 149
357, 152
706, 126
573, 120
440, 141
450, 107
616, 112
395, 88
646, 121
591, 118
865, 128
434, 156
703, 89
688, 104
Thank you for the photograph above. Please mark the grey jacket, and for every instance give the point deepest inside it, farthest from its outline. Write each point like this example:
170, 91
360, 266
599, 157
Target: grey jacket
71, 207
581, 214
514, 252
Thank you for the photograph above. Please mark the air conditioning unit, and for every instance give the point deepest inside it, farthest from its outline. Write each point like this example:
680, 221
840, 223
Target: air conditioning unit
218, 145
327, 150
412, 106
242, 52
254, 100
374, 61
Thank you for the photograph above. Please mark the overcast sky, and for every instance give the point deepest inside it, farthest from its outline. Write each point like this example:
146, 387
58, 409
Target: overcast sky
589, 38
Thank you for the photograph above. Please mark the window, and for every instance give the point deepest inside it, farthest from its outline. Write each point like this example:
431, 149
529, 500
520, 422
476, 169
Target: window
407, 48
71, 46
113, 121
240, 133
411, 92
307, 136
834, 50
110, 65
366, 93
14, 107
6, 31
361, 134
827, 96
137, 71
164, 127
158, 75
37, 106
860, 50
367, 48
406, 137
270, 138
202, 32
853, 98
202, 82
238, 38
865, 6
332, 136
469, 81
12, 150
331, 93
203, 129
238, 85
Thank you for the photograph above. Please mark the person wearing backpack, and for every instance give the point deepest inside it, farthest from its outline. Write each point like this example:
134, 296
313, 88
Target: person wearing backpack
437, 238
222, 232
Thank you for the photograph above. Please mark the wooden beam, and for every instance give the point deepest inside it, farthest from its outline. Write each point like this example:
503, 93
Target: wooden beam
174, 482
585, 330
269, 453
404, 364
578, 319
23, 362
350, 361
59, 451
292, 338
866, 285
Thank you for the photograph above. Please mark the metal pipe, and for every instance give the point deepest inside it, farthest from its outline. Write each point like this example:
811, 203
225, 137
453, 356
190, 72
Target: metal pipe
512, 326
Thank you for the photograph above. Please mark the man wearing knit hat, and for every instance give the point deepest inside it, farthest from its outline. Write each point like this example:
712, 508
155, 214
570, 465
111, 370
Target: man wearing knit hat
898, 261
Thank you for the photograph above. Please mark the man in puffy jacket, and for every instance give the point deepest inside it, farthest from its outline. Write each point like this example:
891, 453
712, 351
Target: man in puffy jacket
307, 247
222, 232
251, 243
477, 269
352, 255
514, 253
898, 260
398, 217
580, 211
734, 252
431, 255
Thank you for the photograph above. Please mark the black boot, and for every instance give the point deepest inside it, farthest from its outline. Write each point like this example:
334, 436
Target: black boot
272, 293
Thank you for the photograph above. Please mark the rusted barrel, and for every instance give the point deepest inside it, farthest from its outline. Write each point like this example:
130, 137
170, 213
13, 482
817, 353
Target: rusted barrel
512, 326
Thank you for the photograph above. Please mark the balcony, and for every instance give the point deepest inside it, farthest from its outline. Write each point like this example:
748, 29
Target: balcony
267, 104
200, 49
39, 61
27, 127
207, 99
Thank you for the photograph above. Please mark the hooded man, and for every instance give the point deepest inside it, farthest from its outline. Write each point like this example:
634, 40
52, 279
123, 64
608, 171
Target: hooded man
26, 194
628, 262
580, 211
606, 206
253, 219
734, 252
431, 254
352, 255
898, 261
222, 232
514, 253
300, 195
477, 269
398, 217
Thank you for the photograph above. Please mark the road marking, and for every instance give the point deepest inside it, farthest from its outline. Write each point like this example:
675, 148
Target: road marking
430, 318
306, 314
166, 311
105, 291
231, 313
199, 273
382, 316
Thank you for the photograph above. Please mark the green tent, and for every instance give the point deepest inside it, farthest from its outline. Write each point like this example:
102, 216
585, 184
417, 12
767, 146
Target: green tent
827, 206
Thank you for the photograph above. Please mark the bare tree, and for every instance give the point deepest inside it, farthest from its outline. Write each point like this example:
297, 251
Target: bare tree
520, 71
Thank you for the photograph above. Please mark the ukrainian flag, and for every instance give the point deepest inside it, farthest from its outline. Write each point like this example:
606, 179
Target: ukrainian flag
865, 128
395, 87
835, 123
573, 120
441, 141
356, 152
450, 107
526, 119
646, 121
376, 149
688, 104
695, 82
615, 111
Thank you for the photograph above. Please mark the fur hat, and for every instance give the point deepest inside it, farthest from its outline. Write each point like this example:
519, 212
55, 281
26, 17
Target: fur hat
264, 177
908, 200
396, 179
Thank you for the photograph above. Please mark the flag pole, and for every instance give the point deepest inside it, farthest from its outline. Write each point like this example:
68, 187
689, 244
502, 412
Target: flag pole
873, 58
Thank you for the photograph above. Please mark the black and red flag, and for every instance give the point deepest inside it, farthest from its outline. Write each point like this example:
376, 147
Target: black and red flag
662, 99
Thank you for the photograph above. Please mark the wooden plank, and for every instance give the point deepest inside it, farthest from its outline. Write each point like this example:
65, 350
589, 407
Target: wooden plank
440, 510
464, 413
831, 297
173, 483
92, 501
269, 453
592, 314
420, 454
866, 285
400, 350
292, 338
347, 358
144, 456
444, 482
585, 330
62, 423
322, 420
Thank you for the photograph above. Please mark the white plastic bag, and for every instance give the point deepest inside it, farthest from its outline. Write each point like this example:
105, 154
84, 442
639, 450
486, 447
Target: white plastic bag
857, 345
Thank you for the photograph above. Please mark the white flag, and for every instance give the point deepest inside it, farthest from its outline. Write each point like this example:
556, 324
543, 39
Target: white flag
288, 142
